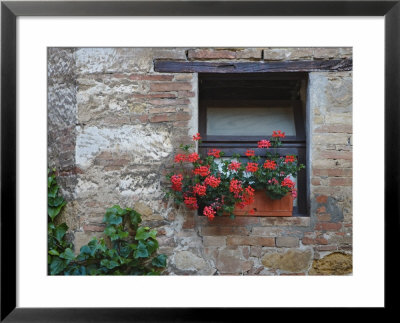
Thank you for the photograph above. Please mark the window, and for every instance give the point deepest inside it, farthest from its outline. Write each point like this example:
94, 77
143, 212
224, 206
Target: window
238, 110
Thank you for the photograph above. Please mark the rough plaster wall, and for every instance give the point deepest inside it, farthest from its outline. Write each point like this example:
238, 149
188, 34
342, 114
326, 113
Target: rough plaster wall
125, 123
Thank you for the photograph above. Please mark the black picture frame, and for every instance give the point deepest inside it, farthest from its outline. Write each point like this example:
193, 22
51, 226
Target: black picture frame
10, 10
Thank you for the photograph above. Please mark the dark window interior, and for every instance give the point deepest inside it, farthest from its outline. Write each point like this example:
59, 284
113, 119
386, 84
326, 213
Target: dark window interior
238, 110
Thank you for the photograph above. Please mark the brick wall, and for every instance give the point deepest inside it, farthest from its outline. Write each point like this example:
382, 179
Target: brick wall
115, 126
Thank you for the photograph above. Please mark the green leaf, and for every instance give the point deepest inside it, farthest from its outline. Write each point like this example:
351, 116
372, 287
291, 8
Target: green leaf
109, 264
57, 265
123, 234
53, 252
112, 218
135, 217
54, 211
110, 231
56, 201
52, 192
142, 234
68, 254
141, 251
159, 261
152, 245
85, 250
60, 231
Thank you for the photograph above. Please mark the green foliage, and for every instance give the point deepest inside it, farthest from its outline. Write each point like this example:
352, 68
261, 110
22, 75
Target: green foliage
128, 249
131, 249
59, 250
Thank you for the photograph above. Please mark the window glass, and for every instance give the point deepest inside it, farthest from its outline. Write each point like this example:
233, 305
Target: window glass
250, 121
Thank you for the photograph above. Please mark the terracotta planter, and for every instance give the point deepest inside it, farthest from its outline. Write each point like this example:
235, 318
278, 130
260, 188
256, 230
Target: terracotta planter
263, 205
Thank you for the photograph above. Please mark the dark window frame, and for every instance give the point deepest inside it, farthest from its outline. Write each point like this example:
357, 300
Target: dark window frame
296, 145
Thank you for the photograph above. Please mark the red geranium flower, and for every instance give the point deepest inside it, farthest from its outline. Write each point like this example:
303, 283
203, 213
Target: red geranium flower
269, 164
249, 153
196, 137
288, 182
193, 157
290, 159
202, 170
212, 181
191, 202
180, 158
209, 212
176, 181
234, 166
199, 189
235, 187
264, 144
278, 133
214, 152
251, 167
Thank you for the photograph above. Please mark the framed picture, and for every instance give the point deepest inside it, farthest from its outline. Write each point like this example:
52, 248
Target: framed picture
166, 89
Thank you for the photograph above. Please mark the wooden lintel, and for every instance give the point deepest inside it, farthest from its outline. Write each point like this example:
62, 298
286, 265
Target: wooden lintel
170, 66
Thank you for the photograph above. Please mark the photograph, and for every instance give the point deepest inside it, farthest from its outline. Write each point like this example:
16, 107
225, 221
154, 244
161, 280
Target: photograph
200, 161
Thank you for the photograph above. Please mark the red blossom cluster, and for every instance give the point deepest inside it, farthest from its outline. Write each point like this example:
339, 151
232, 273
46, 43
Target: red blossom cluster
212, 181
235, 187
199, 189
202, 171
247, 197
264, 144
270, 164
277, 134
176, 181
214, 152
193, 157
288, 183
191, 202
196, 137
290, 159
179, 158
209, 212
234, 166
251, 167
249, 153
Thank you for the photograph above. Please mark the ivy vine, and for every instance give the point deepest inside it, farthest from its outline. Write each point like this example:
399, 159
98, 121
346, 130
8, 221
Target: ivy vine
128, 249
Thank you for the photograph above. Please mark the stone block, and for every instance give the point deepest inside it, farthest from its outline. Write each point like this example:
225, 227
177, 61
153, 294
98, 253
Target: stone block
288, 242
293, 260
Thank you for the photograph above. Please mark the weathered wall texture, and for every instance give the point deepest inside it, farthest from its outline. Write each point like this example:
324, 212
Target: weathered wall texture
115, 125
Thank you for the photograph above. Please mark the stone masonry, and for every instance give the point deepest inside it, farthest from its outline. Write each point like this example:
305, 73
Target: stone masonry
114, 126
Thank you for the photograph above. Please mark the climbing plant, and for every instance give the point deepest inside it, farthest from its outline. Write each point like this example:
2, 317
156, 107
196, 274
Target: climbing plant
127, 249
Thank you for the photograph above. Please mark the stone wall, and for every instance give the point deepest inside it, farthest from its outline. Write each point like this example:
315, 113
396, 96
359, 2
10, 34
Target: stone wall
115, 126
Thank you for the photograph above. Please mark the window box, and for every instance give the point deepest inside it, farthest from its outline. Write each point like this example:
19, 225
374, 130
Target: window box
263, 205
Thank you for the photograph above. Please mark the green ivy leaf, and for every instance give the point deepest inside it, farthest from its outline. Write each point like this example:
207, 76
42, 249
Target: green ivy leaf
68, 254
52, 192
53, 252
141, 251
152, 245
159, 261
142, 234
109, 264
112, 218
135, 217
85, 250
56, 201
54, 211
110, 231
57, 265
60, 231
